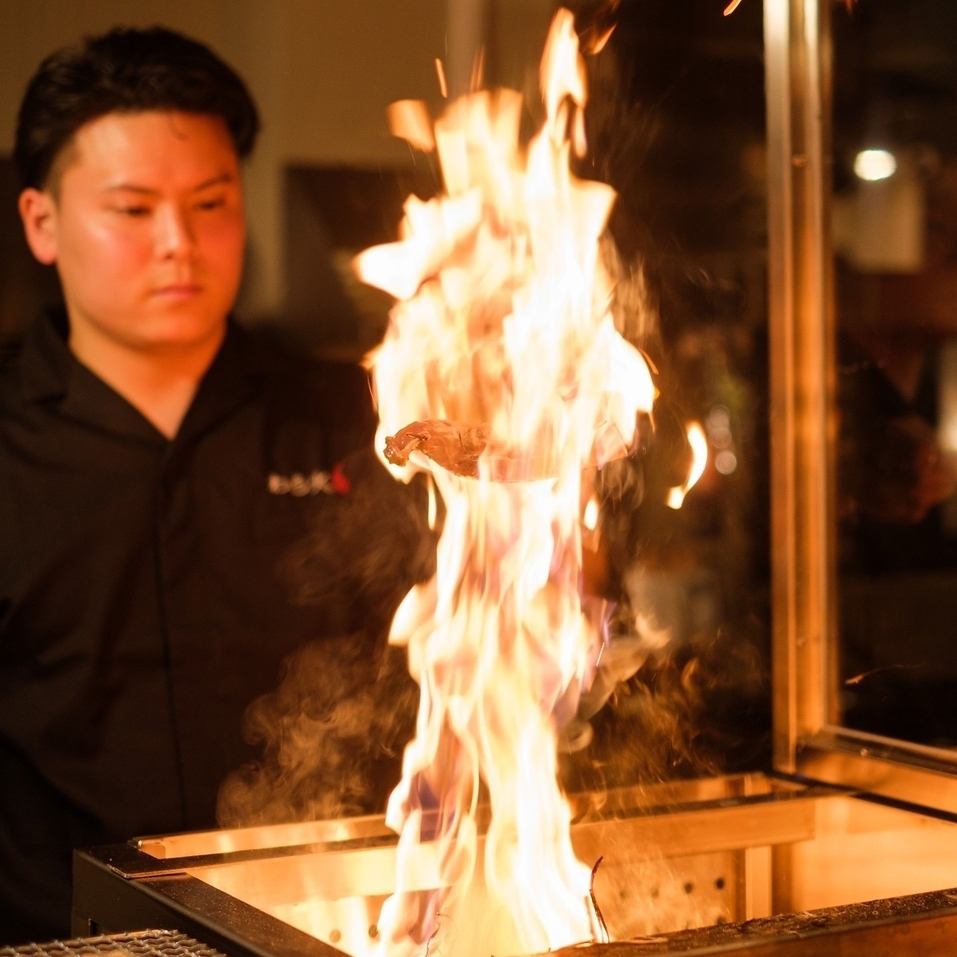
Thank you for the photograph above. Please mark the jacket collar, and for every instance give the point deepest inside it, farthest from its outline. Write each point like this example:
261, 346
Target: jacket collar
50, 373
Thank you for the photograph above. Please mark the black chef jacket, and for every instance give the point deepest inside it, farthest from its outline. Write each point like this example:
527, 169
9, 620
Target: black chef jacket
146, 597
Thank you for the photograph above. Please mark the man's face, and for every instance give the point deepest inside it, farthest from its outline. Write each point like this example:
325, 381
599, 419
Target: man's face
146, 227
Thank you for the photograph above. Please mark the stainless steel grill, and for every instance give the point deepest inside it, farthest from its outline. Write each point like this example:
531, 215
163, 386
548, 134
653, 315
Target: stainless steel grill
746, 861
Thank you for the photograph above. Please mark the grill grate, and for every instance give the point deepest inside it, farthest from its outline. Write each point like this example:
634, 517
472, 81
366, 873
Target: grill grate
142, 943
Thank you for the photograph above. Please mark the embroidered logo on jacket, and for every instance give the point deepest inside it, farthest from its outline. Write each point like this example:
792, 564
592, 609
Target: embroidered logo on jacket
301, 484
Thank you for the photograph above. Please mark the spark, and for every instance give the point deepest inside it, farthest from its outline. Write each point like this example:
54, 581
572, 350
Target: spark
440, 73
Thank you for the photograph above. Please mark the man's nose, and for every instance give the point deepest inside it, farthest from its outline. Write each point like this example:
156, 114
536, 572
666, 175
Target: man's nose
174, 232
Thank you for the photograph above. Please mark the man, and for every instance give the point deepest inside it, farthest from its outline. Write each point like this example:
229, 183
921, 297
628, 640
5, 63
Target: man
165, 483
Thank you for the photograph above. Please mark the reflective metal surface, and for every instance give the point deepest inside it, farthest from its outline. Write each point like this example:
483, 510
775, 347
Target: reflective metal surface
800, 373
721, 850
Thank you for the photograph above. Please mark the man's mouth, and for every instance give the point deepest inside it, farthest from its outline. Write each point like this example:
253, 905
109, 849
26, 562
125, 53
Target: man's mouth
178, 291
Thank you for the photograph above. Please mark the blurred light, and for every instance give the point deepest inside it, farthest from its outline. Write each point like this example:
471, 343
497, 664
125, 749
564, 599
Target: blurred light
718, 418
721, 438
433, 505
873, 165
591, 515
725, 462
719, 427
676, 497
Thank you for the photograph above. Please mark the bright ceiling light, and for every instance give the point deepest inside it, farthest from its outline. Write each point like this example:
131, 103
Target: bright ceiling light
874, 164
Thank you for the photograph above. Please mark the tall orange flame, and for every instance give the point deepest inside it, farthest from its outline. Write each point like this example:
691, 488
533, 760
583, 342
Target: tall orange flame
503, 328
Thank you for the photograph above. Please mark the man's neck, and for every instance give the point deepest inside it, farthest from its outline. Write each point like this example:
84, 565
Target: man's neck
160, 384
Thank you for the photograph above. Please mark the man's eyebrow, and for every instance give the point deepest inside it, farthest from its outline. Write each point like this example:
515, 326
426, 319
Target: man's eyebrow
130, 188
221, 179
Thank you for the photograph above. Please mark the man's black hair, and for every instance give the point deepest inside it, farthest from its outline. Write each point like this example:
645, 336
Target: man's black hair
127, 70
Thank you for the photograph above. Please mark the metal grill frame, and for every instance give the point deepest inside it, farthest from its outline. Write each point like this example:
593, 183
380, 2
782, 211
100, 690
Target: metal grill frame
143, 943
123, 888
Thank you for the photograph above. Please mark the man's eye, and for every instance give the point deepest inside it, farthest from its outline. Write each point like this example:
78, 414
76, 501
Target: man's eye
134, 212
207, 204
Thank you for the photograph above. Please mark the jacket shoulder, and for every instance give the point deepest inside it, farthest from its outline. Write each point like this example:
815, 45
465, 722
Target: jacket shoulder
10, 351
326, 395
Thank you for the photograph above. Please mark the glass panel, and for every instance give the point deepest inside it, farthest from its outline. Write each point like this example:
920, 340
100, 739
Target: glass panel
676, 123
894, 229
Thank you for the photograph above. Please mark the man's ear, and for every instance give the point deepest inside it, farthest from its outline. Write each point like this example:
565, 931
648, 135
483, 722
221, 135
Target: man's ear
38, 212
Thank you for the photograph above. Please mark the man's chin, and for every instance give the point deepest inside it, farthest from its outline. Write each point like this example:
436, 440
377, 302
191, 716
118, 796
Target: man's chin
178, 331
